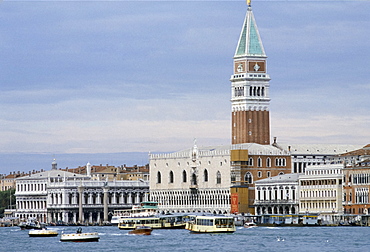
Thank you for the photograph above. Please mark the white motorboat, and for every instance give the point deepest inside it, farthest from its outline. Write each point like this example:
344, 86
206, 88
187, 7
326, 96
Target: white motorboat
42, 233
80, 237
250, 224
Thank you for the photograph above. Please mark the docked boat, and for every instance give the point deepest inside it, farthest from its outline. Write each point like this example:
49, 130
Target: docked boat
155, 222
80, 237
31, 224
211, 224
249, 224
42, 233
145, 209
141, 230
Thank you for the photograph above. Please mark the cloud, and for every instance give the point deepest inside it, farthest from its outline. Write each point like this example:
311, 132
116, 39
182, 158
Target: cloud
139, 76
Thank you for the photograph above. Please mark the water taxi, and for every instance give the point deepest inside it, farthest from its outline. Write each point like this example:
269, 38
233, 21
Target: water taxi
211, 224
249, 224
145, 209
80, 237
141, 230
42, 233
155, 222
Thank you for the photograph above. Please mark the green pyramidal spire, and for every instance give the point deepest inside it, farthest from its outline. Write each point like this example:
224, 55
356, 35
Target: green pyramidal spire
250, 43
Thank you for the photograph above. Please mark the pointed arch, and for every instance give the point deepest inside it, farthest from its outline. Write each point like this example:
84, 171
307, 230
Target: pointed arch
218, 177
184, 176
159, 177
171, 178
205, 175
248, 178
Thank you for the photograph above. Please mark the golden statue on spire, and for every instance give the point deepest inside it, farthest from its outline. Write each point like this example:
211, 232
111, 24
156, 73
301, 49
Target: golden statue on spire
249, 3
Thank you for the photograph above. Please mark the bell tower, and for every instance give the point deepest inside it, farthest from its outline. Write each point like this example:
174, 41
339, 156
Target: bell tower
250, 100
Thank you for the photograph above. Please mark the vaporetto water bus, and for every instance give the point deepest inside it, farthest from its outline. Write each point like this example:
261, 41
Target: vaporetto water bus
211, 224
145, 209
161, 221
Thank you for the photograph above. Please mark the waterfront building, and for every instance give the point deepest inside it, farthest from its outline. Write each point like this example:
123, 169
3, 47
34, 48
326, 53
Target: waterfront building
356, 181
277, 195
321, 190
111, 173
303, 155
192, 180
7, 182
202, 179
58, 195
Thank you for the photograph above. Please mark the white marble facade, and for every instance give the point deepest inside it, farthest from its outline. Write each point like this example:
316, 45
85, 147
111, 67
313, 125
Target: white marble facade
53, 196
193, 180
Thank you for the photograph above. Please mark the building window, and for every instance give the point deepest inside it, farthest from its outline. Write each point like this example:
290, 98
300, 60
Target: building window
205, 175
233, 177
259, 174
194, 179
259, 162
248, 178
159, 177
268, 162
250, 161
218, 177
171, 177
268, 174
184, 176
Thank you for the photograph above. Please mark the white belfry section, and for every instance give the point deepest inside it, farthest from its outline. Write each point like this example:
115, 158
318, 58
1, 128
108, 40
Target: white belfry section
250, 81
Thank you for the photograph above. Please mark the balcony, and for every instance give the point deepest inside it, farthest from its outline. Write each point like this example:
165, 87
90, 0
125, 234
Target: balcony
276, 202
193, 187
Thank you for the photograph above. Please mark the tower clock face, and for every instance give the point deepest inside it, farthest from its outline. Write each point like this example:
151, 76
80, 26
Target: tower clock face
256, 66
240, 67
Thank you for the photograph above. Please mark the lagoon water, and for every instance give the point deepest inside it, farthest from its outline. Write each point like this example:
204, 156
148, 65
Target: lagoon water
252, 239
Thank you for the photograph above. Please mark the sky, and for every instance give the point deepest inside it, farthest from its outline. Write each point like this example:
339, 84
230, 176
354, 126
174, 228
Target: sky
113, 81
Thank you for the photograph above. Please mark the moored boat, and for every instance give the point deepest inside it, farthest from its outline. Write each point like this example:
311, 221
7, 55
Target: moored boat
211, 224
42, 233
31, 223
141, 230
80, 237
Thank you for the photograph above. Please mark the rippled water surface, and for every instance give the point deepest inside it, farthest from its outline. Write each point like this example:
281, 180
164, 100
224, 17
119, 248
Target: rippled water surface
252, 239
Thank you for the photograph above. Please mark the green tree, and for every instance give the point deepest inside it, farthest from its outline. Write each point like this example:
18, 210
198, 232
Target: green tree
7, 200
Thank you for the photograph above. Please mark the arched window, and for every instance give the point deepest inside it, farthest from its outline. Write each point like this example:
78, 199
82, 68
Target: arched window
205, 175
268, 162
171, 177
218, 177
259, 162
159, 177
184, 176
250, 161
194, 179
233, 177
248, 178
